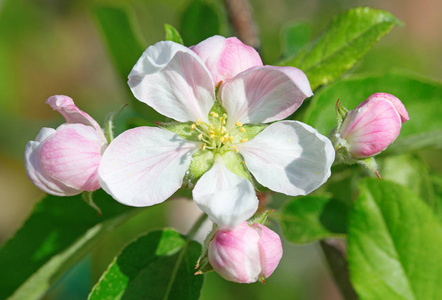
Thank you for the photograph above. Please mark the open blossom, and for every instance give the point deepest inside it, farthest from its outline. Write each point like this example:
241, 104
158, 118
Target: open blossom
372, 125
144, 166
246, 253
64, 161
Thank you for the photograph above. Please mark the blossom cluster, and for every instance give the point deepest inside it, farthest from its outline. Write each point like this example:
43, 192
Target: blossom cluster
224, 136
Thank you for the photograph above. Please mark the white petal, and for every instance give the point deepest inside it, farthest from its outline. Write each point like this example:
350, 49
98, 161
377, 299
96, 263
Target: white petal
145, 165
264, 94
289, 157
67, 108
174, 81
227, 198
35, 171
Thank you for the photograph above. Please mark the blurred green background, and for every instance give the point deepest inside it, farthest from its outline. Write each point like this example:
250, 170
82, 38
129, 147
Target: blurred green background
50, 47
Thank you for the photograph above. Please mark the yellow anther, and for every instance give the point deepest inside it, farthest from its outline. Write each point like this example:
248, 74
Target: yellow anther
230, 138
214, 114
200, 137
203, 147
198, 121
220, 119
225, 115
224, 122
211, 127
192, 127
224, 129
243, 140
243, 162
242, 129
221, 139
237, 123
211, 135
235, 149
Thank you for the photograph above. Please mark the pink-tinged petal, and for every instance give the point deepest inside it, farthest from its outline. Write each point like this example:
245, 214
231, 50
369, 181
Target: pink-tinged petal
72, 156
145, 165
270, 249
225, 58
398, 105
37, 174
289, 157
174, 81
234, 254
72, 114
372, 125
264, 94
227, 198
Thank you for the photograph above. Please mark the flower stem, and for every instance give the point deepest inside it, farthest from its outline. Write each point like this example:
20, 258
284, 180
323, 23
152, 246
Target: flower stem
335, 254
189, 237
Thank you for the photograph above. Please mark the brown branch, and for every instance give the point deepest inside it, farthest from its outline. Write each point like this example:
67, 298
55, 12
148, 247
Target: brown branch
336, 254
240, 16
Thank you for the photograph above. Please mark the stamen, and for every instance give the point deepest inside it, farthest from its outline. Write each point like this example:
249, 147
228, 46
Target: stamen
224, 122
235, 149
221, 139
198, 121
214, 114
230, 138
237, 123
211, 135
242, 129
200, 137
243, 140
192, 127
203, 147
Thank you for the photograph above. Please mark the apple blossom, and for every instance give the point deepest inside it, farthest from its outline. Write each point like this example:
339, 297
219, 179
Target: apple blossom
246, 253
372, 125
215, 145
64, 161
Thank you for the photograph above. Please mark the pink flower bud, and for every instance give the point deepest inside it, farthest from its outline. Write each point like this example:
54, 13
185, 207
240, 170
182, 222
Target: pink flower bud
64, 161
226, 57
372, 125
246, 253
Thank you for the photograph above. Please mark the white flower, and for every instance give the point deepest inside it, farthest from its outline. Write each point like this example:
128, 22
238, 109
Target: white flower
145, 166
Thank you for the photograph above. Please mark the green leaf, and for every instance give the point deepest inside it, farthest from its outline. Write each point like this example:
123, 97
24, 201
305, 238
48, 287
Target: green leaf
159, 265
202, 19
308, 219
123, 40
411, 172
343, 43
394, 244
172, 34
121, 34
421, 98
59, 232
294, 37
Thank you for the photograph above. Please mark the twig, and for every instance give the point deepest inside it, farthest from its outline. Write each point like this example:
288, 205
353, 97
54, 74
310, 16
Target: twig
240, 16
335, 252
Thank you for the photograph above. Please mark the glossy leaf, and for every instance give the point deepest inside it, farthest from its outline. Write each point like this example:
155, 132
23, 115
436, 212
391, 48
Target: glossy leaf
294, 37
393, 244
159, 265
200, 20
411, 172
58, 234
308, 219
420, 96
343, 43
120, 33
172, 34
